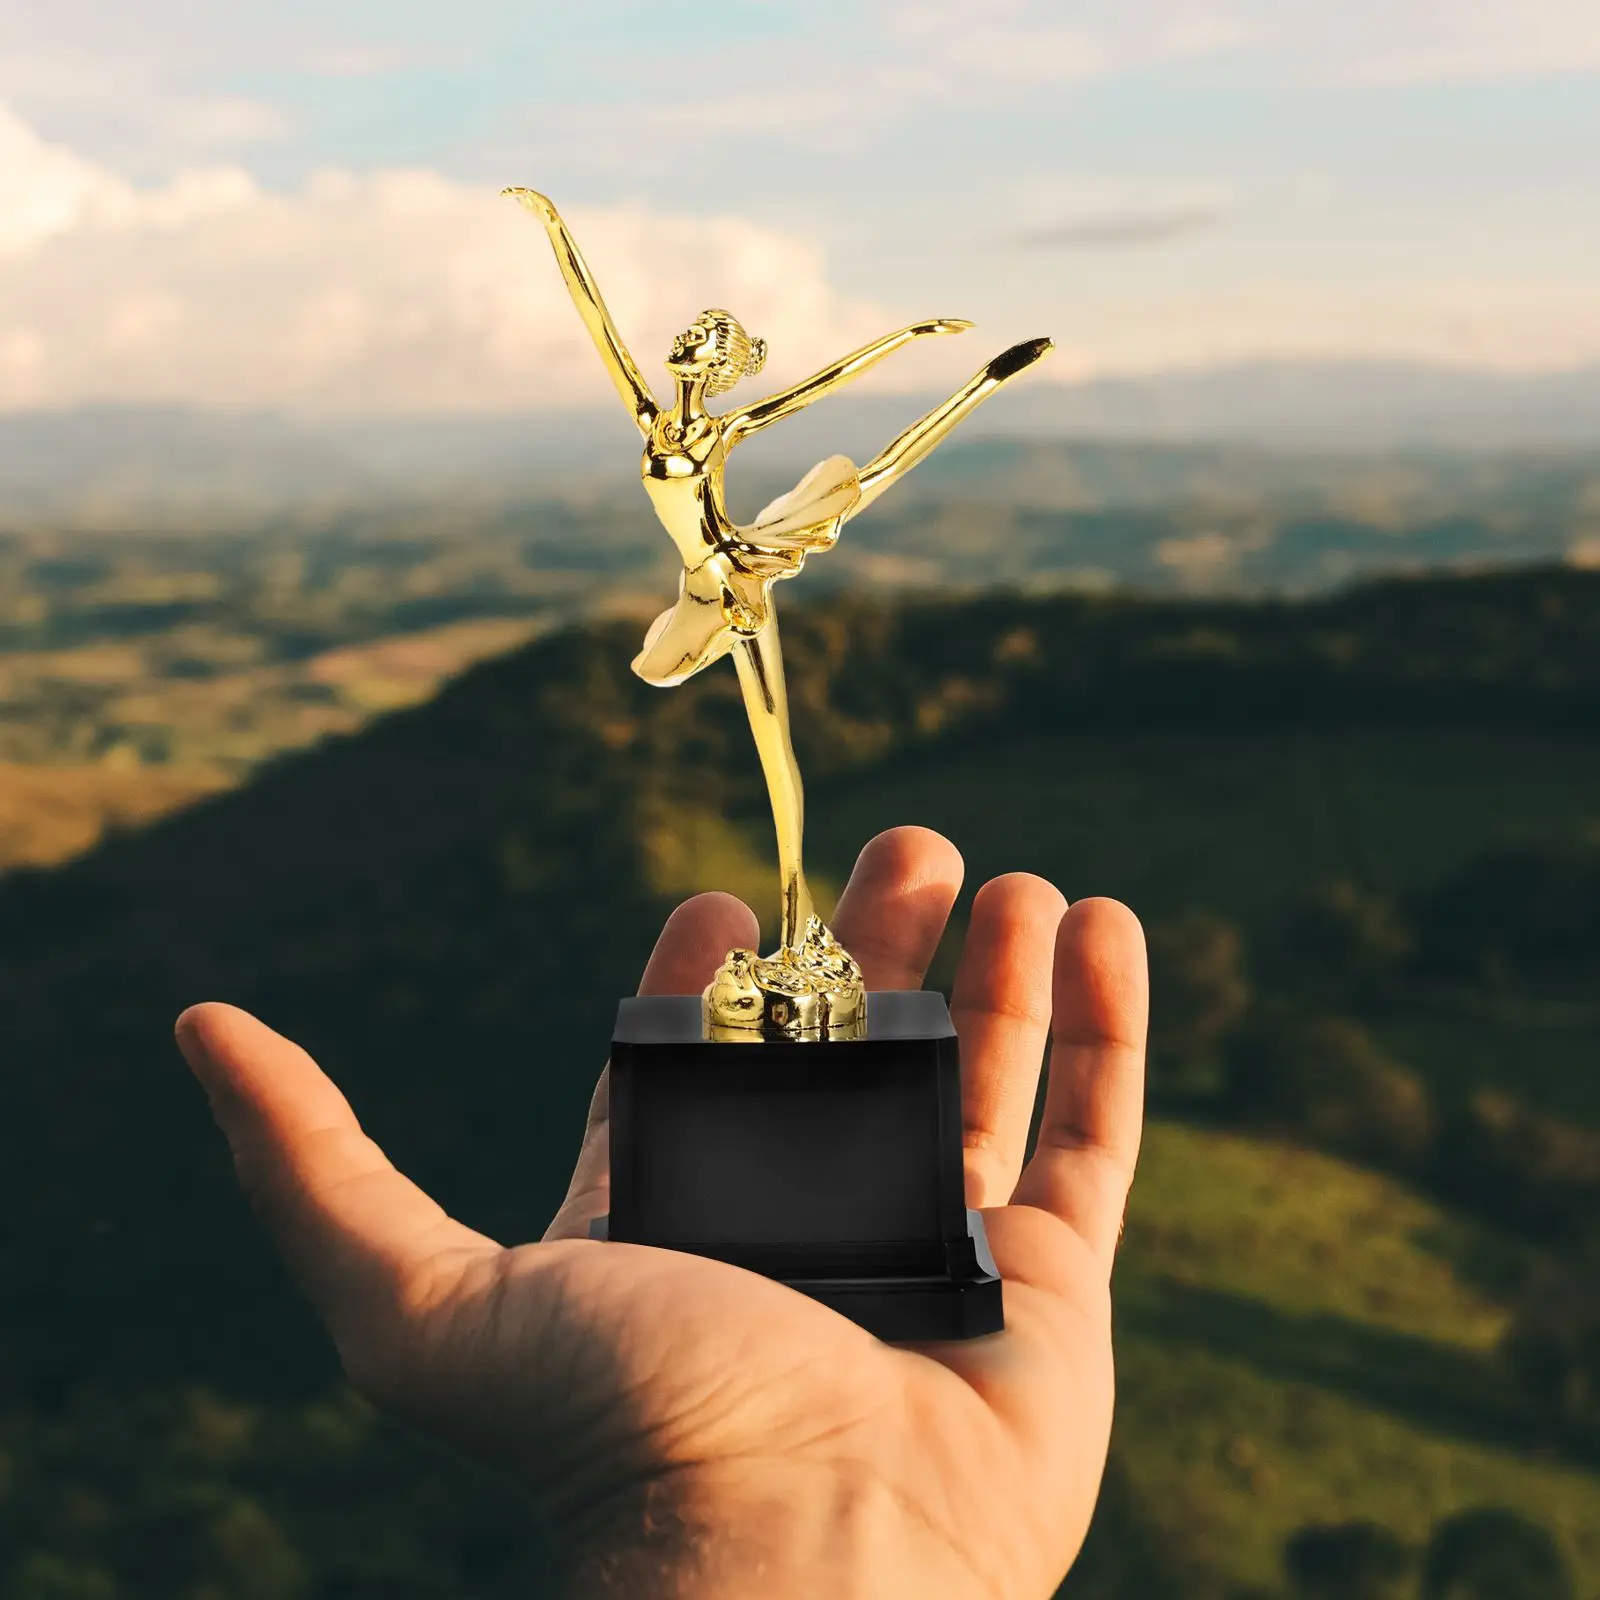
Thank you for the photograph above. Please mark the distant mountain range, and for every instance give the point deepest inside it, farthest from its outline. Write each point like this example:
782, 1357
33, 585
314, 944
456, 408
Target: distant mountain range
101, 466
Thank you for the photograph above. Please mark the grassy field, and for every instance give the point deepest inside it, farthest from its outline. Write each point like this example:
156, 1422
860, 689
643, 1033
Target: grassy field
218, 702
50, 814
1301, 1341
113, 735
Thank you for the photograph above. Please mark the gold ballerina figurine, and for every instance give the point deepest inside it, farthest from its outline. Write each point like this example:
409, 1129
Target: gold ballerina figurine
810, 986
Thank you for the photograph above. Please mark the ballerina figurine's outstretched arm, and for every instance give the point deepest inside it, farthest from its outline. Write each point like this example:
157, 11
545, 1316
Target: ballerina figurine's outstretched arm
624, 370
752, 419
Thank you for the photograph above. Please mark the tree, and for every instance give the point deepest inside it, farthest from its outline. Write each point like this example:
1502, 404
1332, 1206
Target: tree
1553, 1342
1349, 932
1326, 1080
1494, 1554
1523, 1166
1198, 994
1521, 912
1346, 1561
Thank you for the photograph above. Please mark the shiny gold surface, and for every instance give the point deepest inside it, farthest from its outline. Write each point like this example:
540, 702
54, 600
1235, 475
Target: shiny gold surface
809, 987
812, 991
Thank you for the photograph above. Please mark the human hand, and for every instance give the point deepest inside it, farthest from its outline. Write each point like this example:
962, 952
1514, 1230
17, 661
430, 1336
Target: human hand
688, 1428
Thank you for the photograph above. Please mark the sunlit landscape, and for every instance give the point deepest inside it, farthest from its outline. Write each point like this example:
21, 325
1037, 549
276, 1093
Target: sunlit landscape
1270, 605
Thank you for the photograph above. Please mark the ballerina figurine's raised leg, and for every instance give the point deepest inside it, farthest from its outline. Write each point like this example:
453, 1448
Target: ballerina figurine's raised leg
810, 986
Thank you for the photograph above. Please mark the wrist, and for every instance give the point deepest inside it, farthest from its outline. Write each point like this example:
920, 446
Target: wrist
773, 1530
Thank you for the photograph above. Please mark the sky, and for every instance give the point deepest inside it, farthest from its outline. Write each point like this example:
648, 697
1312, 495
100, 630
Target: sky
294, 206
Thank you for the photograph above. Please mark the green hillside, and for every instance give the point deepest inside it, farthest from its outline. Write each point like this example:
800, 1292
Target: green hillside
1363, 832
1301, 1342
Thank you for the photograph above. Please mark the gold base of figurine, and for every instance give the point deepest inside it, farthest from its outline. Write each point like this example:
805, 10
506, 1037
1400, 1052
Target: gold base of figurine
812, 992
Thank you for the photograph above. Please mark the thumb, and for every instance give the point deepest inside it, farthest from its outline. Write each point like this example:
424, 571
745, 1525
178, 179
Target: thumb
365, 1243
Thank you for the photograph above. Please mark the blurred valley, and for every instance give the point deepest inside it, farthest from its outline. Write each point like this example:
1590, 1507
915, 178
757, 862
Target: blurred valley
150, 651
336, 723
1357, 1327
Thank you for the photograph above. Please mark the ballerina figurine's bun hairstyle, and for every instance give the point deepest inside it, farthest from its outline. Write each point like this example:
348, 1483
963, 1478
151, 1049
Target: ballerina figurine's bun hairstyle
738, 355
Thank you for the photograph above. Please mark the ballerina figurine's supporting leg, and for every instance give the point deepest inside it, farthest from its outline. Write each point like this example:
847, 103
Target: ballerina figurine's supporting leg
809, 986
759, 661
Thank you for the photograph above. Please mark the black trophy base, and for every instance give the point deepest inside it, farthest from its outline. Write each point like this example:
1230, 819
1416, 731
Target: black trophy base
833, 1166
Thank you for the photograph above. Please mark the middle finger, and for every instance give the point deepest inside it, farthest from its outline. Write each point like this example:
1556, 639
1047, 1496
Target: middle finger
894, 909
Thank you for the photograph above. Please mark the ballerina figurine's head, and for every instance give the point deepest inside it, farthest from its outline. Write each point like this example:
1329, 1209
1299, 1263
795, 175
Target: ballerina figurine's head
716, 348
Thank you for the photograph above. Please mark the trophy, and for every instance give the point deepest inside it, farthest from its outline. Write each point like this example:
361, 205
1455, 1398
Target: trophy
785, 1121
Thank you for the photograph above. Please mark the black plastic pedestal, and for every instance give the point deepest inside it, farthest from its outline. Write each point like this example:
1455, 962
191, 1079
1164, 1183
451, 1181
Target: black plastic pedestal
833, 1165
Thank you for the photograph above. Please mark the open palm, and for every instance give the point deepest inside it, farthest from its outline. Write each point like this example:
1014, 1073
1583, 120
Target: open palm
687, 1427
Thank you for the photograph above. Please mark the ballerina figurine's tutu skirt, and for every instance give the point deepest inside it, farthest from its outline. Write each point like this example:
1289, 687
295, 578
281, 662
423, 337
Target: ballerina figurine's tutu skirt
728, 596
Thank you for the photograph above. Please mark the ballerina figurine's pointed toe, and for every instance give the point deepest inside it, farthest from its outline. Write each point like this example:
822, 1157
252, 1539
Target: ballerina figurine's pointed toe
809, 987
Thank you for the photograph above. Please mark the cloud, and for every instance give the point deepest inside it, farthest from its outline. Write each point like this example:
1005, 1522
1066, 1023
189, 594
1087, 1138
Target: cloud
1362, 41
1131, 226
1490, 40
826, 93
1384, 42
394, 290
1009, 42
125, 106
44, 189
1527, 324
380, 61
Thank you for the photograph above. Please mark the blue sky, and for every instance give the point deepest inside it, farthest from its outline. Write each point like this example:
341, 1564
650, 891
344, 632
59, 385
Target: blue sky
1158, 184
